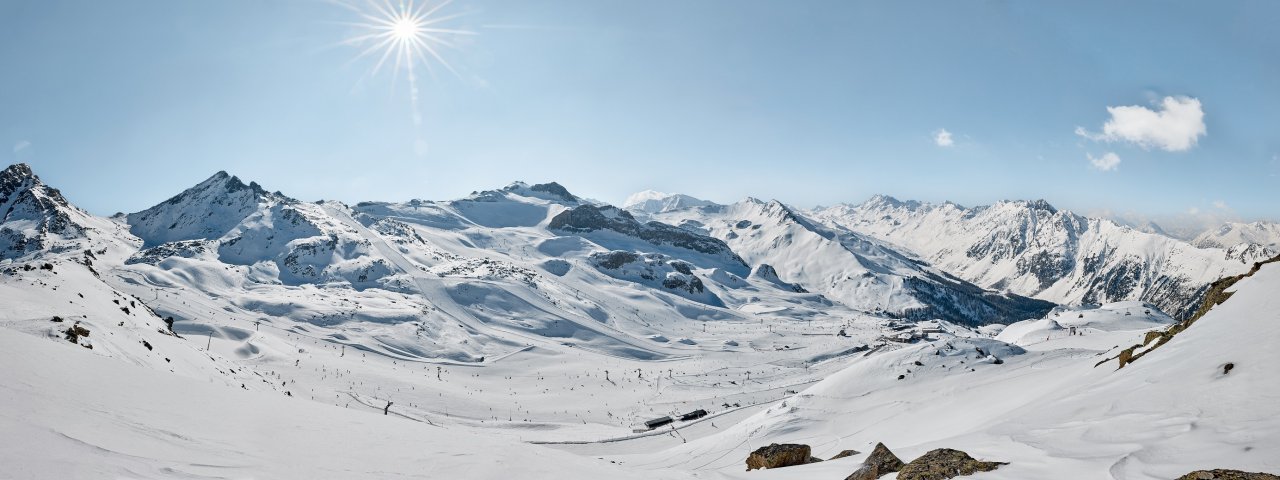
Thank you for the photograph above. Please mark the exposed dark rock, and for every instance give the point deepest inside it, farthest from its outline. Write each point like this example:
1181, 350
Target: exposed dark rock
24, 197
766, 272
589, 218
74, 333
962, 302
158, 253
778, 455
944, 463
613, 260
556, 189
1216, 293
1222, 474
844, 453
880, 462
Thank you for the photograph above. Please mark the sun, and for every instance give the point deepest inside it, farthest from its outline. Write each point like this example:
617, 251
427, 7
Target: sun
405, 29
406, 34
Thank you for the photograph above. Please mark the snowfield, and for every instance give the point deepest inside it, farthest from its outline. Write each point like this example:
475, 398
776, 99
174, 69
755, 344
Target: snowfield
233, 332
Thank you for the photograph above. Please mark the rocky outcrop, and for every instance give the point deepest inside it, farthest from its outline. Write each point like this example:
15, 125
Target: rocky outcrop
778, 455
158, 253
556, 190
1221, 474
944, 463
767, 273
880, 462
590, 218
844, 453
1217, 292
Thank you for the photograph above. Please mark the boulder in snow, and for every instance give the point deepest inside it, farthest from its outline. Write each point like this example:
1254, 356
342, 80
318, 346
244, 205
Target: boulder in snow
944, 463
880, 462
778, 455
1221, 474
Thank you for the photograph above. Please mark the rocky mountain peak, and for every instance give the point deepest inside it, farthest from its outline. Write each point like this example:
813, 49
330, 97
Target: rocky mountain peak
32, 211
207, 210
1041, 204
554, 189
20, 188
17, 171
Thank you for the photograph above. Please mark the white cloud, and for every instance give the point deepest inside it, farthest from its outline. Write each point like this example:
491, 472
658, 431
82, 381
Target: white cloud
21, 145
1220, 205
1107, 162
943, 138
1176, 126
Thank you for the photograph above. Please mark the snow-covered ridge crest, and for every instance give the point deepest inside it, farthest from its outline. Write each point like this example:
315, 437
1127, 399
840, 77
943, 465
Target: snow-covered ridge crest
1034, 249
36, 218
1235, 234
847, 266
650, 201
207, 210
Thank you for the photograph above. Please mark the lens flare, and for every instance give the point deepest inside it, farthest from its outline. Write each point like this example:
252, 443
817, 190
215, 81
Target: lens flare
405, 35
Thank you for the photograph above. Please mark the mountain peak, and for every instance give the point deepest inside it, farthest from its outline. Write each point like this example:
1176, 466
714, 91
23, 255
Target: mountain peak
207, 210
18, 170
547, 191
650, 201
554, 189
881, 201
1041, 204
27, 200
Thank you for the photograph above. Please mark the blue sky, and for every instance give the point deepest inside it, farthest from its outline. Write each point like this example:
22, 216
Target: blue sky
124, 103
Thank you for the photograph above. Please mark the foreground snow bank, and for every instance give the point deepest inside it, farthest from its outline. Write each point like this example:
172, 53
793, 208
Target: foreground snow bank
71, 414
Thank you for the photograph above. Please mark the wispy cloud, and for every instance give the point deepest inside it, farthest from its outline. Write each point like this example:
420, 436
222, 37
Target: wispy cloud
943, 138
1175, 126
1107, 162
21, 145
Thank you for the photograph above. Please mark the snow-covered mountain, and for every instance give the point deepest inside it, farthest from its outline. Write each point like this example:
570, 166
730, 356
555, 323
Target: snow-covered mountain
525, 328
37, 218
1235, 235
1034, 249
847, 266
650, 201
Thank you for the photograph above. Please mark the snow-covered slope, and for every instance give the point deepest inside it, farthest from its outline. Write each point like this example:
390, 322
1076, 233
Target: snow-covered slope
54, 287
1045, 409
1034, 249
854, 269
527, 314
70, 414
